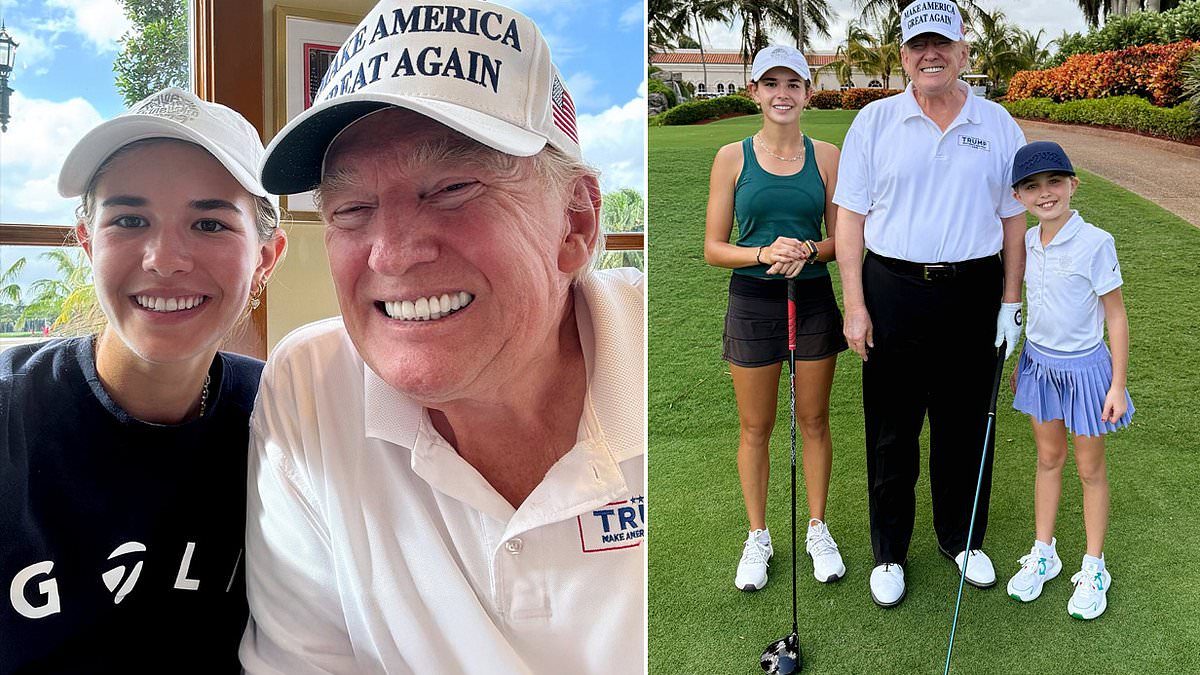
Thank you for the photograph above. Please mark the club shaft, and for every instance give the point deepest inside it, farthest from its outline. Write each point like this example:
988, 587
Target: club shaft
987, 436
791, 291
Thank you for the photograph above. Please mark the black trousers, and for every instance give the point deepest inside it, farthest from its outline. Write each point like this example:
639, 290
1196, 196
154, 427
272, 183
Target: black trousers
933, 355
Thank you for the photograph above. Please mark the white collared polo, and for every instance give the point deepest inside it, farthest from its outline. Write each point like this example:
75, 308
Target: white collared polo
930, 195
1063, 284
373, 547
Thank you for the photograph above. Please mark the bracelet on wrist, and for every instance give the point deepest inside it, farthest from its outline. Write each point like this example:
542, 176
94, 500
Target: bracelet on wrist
813, 254
758, 256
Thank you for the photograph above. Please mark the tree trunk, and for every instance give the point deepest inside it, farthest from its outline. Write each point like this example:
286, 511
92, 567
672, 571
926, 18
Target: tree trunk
1154, 6
700, 41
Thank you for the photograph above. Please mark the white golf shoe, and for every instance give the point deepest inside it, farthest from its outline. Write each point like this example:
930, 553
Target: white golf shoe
1091, 586
887, 585
1036, 569
752, 568
980, 571
827, 561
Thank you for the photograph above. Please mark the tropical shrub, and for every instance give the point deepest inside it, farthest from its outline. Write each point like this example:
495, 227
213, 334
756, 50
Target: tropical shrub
1139, 28
1125, 112
1153, 72
1191, 85
826, 99
856, 98
698, 111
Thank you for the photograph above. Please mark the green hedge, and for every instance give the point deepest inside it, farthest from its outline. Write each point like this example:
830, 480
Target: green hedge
698, 111
1126, 112
1139, 28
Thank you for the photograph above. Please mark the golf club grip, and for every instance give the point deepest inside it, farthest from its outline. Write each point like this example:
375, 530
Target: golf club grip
791, 291
998, 376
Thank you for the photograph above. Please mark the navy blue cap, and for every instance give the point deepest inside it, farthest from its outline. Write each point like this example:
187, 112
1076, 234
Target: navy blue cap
1039, 157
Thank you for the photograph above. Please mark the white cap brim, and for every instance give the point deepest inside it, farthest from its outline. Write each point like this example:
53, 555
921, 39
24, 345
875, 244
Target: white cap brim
293, 161
99, 143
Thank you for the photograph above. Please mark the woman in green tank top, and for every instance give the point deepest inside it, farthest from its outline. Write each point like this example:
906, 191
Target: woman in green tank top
779, 185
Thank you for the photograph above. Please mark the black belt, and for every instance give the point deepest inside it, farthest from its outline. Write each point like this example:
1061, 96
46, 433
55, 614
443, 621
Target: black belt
933, 271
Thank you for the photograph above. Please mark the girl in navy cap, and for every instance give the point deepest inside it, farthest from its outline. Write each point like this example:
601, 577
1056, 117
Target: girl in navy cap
1066, 379
779, 186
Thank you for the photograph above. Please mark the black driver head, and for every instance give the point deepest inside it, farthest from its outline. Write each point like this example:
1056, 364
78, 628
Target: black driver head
782, 657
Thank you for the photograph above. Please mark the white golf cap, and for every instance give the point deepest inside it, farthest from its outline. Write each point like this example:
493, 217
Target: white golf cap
479, 68
171, 113
931, 16
779, 55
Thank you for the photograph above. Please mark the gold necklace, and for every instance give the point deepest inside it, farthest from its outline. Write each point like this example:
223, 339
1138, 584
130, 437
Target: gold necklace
763, 145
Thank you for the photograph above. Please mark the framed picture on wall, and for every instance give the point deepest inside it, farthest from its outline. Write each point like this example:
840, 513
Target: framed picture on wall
305, 43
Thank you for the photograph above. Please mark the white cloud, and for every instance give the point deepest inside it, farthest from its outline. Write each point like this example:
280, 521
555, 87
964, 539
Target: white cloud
39, 137
33, 52
633, 16
615, 142
102, 22
583, 92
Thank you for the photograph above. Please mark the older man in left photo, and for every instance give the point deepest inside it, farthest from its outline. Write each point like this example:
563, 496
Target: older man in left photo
449, 478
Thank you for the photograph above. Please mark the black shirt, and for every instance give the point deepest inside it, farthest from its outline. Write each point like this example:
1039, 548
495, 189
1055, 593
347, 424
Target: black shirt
121, 541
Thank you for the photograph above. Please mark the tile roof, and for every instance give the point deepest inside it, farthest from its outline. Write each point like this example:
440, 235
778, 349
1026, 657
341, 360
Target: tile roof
725, 57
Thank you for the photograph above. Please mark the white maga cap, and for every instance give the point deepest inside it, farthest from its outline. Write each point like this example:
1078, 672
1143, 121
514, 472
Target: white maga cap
479, 68
779, 55
931, 16
171, 113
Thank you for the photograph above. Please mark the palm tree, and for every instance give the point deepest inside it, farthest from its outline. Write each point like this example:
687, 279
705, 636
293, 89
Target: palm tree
995, 47
1030, 51
71, 298
670, 19
811, 15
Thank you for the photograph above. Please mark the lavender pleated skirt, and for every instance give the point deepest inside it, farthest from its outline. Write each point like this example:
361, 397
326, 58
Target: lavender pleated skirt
1068, 386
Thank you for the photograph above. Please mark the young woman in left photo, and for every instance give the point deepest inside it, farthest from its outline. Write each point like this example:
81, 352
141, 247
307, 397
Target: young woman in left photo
123, 453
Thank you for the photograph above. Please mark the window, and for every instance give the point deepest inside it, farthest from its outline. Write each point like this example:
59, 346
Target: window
45, 281
700, 87
875, 84
720, 88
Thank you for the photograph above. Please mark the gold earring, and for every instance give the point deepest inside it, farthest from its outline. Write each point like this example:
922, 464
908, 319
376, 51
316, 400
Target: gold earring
256, 295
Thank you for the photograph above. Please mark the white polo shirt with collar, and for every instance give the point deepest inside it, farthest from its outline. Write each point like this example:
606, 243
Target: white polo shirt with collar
372, 547
930, 195
1063, 284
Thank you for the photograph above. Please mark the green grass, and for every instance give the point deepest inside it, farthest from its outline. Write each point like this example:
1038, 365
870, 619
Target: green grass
698, 623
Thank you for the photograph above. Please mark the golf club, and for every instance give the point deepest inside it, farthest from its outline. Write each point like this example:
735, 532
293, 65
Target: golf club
782, 656
991, 423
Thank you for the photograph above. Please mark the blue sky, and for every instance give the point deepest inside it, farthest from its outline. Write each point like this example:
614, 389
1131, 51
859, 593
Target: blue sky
63, 84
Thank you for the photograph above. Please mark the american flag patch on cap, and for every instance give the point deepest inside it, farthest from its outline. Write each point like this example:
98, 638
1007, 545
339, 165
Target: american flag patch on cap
564, 109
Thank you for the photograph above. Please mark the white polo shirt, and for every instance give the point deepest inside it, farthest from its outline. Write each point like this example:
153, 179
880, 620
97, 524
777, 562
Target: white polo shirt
928, 195
372, 547
1064, 282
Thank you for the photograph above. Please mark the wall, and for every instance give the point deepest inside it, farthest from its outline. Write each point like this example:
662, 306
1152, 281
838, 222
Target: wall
301, 290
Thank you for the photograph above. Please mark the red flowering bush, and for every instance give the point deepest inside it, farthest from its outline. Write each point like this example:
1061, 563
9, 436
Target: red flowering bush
854, 99
826, 99
1153, 72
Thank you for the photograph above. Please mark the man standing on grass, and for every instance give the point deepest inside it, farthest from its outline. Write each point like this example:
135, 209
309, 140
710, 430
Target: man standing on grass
923, 186
449, 478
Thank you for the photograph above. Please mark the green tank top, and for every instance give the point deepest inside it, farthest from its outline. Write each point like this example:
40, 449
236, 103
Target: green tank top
768, 206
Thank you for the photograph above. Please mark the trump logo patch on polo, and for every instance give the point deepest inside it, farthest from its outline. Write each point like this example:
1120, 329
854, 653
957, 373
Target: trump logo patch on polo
614, 526
977, 143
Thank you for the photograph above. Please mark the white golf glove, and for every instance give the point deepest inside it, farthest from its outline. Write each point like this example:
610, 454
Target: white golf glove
1008, 326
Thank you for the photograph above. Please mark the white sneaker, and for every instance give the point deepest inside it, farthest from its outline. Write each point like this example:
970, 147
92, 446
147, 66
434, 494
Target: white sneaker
1091, 585
752, 568
980, 572
887, 585
827, 562
1036, 570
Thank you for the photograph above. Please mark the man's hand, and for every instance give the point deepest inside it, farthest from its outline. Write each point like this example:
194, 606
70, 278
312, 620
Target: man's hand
859, 331
1008, 326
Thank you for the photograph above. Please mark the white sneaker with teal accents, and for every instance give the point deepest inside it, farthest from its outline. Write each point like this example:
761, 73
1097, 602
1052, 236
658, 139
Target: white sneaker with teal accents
752, 568
1091, 586
1036, 570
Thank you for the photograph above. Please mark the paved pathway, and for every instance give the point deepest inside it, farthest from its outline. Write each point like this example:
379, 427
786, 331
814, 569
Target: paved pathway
1166, 173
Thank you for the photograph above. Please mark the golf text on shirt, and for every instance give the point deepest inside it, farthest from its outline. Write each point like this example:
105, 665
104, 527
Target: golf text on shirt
926, 12
120, 580
617, 525
477, 67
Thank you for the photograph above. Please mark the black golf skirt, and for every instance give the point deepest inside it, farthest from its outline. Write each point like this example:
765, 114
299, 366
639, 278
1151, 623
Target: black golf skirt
756, 323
